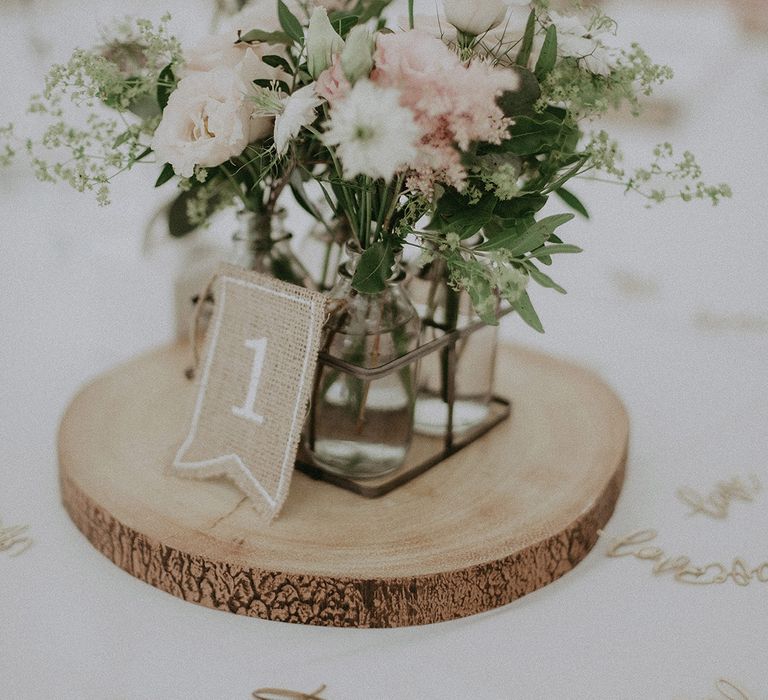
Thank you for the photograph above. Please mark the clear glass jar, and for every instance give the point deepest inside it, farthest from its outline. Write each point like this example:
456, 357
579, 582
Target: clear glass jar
261, 244
361, 428
323, 249
442, 310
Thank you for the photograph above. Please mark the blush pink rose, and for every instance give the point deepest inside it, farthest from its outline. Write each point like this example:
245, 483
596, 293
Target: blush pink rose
332, 84
207, 121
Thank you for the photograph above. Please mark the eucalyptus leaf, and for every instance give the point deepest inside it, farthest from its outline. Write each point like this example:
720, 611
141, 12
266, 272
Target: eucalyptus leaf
504, 234
166, 84
120, 140
264, 37
370, 9
165, 174
179, 224
142, 155
522, 100
374, 268
277, 62
532, 135
558, 248
519, 206
525, 309
463, 217
269, 84
548, 55
572, 201
524, 55
515, 242
344, 24
544, 280
291, 26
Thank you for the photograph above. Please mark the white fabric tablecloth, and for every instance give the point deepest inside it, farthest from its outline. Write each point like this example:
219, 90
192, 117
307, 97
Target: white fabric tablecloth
669, 305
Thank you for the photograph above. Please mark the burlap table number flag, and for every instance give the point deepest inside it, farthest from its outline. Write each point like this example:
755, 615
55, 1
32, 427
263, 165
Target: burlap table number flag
254, 384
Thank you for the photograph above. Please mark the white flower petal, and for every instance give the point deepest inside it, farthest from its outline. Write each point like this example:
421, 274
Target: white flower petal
299, 110
374, 135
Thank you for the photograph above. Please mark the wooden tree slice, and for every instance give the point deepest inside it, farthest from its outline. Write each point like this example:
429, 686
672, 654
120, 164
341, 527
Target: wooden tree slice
507, 515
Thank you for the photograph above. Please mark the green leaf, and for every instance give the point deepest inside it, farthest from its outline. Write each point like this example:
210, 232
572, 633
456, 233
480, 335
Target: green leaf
472, 277
520, 101
548, 55
166, 84
277, 62
165, 174
120, 140
343, 25
141, 155
532, 135
370, 9
300, 194
504, 234
525, 309
544, 280
374, 268
462, 217
572, 201
264, 37
271, 83
568, 174
289, 23
524, 55
558, 248
516, 242
179, 224
520, 207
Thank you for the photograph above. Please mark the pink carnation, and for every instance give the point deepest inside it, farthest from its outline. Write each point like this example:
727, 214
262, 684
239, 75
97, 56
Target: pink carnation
454, 102
332, 84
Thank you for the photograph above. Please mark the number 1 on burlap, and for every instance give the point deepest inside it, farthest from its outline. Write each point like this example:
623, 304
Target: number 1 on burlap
259, 346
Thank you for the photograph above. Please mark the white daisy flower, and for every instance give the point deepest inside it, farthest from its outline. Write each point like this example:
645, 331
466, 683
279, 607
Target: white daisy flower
298, 111
373, 134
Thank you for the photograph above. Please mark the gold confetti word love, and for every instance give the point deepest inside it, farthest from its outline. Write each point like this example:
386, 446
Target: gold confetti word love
716, 503
272, 693
13, 540
681, 567
729, 691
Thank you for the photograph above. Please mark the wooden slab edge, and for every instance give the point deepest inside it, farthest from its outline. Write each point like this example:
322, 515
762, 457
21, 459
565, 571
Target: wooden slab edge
337, 601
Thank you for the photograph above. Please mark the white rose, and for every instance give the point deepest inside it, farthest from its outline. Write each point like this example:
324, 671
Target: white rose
221, 51
207, 121
588, 45
476, 17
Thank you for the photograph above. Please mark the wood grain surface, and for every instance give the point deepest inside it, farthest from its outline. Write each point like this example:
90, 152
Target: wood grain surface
507, 515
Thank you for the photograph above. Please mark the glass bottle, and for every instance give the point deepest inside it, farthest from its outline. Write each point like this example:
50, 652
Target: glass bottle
323, 250
262, 244
360, 428
443, 309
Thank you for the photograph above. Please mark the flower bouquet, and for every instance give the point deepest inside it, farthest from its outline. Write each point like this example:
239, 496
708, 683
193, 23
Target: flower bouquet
445, 135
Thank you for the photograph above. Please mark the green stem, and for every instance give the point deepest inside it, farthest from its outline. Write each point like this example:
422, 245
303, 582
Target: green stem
410, 14
393, 205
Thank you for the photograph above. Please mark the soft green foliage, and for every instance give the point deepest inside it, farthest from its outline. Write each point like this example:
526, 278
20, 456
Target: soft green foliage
84, 144
664, 178
587, 96
487, 228
7, 151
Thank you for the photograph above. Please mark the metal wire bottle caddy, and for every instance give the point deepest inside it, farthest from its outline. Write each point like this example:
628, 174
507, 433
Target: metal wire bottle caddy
425, 451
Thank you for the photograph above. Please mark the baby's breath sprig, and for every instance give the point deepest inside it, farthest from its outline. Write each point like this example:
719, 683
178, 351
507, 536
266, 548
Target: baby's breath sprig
654, 181
85, 144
